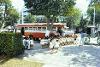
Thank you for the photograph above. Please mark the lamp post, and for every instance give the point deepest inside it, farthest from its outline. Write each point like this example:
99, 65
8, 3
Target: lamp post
94, 21
22, 17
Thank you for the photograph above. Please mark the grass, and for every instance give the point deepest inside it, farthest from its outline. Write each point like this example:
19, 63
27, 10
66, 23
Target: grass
14, 62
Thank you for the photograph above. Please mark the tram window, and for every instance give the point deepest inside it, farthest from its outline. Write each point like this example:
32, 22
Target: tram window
43, 28
26, 28
18, 28
39, 28
30, 28
34, 28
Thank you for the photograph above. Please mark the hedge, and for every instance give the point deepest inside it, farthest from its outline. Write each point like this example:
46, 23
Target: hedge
11, 44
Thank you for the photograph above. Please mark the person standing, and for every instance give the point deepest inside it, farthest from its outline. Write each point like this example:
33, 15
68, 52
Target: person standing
54, 45
25, 43
31, 42
47, 33
60, 31
57, 44
28, 42
82, 38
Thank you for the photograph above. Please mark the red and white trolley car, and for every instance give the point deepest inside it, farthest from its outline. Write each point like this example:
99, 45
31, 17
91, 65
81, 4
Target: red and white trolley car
37, 30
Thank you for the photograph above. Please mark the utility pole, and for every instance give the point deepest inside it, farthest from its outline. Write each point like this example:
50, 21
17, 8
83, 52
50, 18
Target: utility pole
94, 17
93, 34
22, 16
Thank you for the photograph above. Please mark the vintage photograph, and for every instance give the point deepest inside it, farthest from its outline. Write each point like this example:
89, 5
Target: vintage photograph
49, 33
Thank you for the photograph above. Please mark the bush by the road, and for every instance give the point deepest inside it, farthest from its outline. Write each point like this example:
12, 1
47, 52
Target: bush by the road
11, 44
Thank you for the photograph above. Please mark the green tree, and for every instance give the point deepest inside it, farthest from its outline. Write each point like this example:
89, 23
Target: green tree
49, 8
29, 18
73, 16
84, 21
11, 17
90, 12
8, 15
41, 19
4, 4
94, 1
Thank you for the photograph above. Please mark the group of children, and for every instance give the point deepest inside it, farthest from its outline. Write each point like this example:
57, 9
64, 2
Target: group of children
28, 42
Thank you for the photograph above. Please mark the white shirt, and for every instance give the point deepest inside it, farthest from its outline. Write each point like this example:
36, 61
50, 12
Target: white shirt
56, 44
31, 42
47, 33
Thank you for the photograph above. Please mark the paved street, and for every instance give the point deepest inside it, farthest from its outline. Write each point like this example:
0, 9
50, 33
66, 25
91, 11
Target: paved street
67, 56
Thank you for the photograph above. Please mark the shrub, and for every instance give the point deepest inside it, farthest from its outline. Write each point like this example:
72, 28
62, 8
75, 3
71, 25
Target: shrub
11, 44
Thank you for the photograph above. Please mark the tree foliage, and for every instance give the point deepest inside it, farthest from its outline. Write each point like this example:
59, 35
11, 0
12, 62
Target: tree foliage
73, 16
84, 21
90, 12
5, 2
12, 16
8, 15
48, 7
94, 1
29, 18
41, 19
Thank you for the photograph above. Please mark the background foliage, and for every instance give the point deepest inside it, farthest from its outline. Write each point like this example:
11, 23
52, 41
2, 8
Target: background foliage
8, 15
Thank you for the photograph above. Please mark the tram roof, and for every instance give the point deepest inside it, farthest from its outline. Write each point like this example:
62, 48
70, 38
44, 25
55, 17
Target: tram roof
38, 24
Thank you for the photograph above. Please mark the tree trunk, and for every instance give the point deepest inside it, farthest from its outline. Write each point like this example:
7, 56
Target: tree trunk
49, 23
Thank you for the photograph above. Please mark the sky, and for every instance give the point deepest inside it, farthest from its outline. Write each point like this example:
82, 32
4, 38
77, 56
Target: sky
18, 4
81, 4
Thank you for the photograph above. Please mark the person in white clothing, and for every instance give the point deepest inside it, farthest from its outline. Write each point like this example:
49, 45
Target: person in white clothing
28, 41
31, 43
47, 33
25, 42
54, 45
